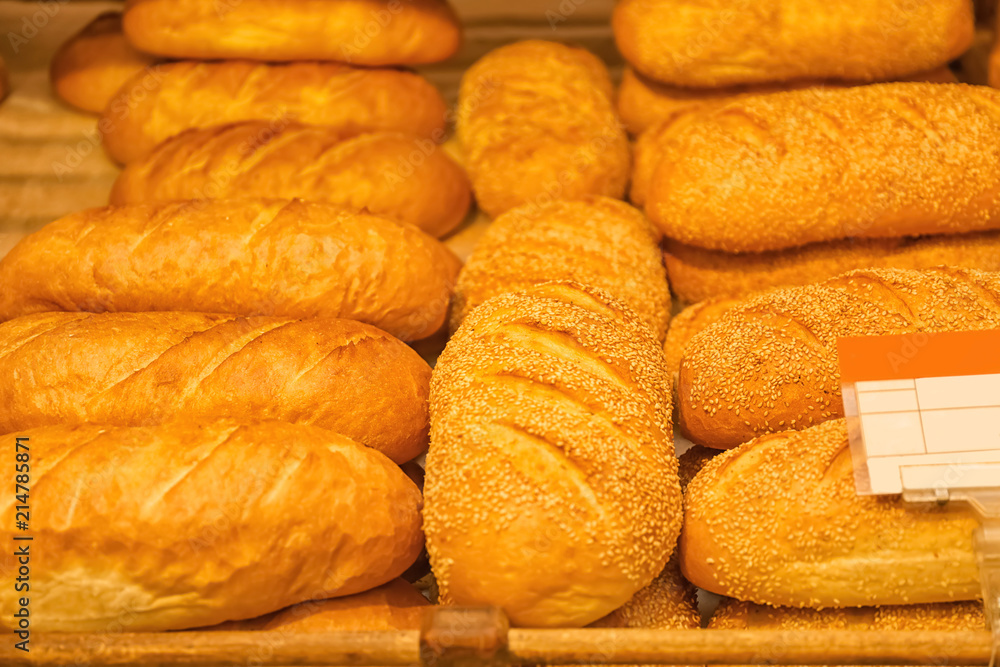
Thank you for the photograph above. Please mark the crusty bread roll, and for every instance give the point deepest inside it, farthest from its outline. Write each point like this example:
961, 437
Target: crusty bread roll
189, 524
697, 274
778, 521
770, 364
668, 603
253, 257
140, 369
537, 123
361, 32
154, 106
394, 606
713, 43
643, 102
402, 177
810, 165
93, 64
551, 485
594, 241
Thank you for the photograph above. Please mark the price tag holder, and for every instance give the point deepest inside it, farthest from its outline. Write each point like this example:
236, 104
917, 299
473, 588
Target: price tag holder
923, 416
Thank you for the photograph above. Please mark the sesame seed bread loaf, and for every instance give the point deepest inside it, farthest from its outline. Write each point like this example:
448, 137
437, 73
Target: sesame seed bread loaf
189, 524
369, 33
551, 487
778, 521
252, 257
713, 43
173, 97
594, 241
93, 64
537, 123
770, 364
697, 274
778, 171
643, 102
397, 175
142, 369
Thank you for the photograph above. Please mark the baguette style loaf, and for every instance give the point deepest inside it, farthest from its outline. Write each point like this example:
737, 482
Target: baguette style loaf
142, 369
736, 615
778, 521
255, 257
643, 102
361, 32
177, 96
189, 524
93, 64
537, 123
687, 324
400, 176
770, 364
714, 43
594, 241
697, 274
783, 170
551, 486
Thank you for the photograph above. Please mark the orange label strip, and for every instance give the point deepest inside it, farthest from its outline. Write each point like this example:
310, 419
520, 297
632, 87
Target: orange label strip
919, 355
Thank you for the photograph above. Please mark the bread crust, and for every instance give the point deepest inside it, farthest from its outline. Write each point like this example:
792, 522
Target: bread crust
93, 64
712, 43
177, 526
393, 174
770, 364
595, 241
697, 274
537, 123
141, 369
361, 32
551, 485
254, 257
170, 98
887, 160
778, 521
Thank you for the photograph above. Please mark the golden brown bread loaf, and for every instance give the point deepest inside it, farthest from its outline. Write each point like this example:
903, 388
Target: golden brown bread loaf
93, 64
689, 322
713, 43
595, 241
770, 364
643, 102
814, 165
778, 521
402, 177
551, 484
189, 524
361, 32
152, 107
668, 603
393, 606
697, 274
141, 369
537, 123
253, 257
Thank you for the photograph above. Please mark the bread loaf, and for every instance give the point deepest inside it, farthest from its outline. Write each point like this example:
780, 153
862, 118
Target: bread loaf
394, 606
594, 241
697, 274
396, 175
154, 106
537, 123
770, 364
717, 43
812, 165
255, 257
669, 603
360, 32
778, 521
93, 64
643, 102
189, 524
650, 147
141, 369
551, 486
